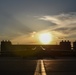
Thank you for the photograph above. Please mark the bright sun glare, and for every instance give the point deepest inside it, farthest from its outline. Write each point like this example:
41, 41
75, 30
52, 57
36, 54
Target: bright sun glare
45, 38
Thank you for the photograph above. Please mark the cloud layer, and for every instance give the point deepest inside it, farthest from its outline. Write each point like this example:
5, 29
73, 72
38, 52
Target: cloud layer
61, 26
63, 23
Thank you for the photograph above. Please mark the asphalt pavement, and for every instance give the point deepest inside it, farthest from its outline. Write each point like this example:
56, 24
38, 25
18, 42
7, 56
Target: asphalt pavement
19, 66
60, 66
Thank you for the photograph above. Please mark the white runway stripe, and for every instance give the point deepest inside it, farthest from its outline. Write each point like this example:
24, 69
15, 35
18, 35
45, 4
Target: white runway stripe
40, 70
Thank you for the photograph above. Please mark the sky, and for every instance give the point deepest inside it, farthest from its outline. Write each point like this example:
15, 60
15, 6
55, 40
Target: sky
22, 20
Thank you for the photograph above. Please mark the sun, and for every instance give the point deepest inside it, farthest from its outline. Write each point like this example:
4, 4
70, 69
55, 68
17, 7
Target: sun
45, 38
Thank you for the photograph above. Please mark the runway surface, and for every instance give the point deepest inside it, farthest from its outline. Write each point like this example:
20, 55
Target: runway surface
60, 67
19, 66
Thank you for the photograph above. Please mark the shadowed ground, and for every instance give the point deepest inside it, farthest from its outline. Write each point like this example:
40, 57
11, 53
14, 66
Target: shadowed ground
60, 67
22, 66
17, 66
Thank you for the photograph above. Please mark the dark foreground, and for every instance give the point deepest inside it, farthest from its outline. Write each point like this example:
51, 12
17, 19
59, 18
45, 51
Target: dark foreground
19, 66
60, 67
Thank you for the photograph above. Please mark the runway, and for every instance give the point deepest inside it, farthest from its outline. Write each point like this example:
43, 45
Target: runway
60, 66
40, 69
19, 66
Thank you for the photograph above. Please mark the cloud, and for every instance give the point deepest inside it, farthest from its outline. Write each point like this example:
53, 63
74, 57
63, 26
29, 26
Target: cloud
28, 38
62, 26
64, 23
62, 19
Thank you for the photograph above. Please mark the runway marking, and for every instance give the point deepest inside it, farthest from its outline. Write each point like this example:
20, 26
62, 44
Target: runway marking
40, 70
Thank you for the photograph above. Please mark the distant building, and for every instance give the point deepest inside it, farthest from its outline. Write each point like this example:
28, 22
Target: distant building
65, 45
74, 45
8, 48
5, 46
